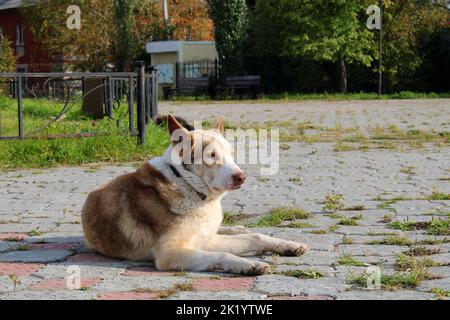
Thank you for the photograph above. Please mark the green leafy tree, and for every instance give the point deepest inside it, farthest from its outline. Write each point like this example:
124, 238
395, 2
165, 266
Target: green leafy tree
230, 20
407, 24
7, 57
326, 30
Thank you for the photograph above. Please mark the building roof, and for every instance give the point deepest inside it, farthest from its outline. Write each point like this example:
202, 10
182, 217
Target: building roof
171, 46
10, 4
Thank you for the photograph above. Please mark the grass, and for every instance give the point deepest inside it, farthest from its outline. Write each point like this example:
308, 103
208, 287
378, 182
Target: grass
440, 293
421, 251
436, 195
109, 146
35, 233
278, 215
349, 260
397, 240
333, 202
405, 263
286, 97
232, 219
433, 227
301, 274
358, 207
400, 280
163, 294
353, 221
300, 225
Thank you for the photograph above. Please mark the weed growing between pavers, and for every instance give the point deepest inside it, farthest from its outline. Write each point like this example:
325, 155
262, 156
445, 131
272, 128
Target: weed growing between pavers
278, 215
403, 241
353, 221
440, 293
436, 195
300, 225
163, 294
232, 219
433, 227
333, 202
301, 274
35, 233
422, 251
405, 263
348, 260
358, 207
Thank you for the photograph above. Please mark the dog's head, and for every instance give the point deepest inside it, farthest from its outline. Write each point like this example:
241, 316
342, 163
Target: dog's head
207, 154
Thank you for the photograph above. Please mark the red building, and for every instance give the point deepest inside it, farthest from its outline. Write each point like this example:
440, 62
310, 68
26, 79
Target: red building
30, 55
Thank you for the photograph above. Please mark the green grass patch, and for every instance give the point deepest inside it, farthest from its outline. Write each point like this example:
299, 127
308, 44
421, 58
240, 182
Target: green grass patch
333, 202
111, 143
278, 215
301, 274
433, 227
300, 225
349, 260
353, 221
436, 195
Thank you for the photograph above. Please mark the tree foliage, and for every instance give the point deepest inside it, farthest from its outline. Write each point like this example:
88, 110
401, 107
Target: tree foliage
112, 31
7, 57
230, 20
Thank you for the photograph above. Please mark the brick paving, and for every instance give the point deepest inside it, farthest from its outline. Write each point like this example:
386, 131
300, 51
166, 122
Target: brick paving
41, 235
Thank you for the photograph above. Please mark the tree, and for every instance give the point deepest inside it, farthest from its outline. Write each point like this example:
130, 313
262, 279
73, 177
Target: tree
407, 25
7, 57
190, 20
327, 31
230, 20
125, 46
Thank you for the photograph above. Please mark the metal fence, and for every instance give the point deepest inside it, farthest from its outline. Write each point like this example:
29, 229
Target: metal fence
198, 68
125, 97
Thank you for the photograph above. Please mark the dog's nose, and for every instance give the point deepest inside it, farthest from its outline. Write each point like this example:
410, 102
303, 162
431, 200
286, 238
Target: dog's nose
239, 178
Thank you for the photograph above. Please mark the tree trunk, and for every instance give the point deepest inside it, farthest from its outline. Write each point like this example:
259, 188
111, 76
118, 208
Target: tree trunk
342, 75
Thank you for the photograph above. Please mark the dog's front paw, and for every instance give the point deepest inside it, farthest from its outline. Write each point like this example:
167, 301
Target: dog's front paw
294, 249
256, 268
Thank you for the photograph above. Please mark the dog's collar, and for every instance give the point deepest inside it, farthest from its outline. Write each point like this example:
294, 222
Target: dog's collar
178, 175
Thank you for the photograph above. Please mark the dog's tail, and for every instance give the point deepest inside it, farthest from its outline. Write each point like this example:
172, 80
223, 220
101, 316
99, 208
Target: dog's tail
162, 120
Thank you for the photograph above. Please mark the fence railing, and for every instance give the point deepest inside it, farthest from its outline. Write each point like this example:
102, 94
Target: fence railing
130, 99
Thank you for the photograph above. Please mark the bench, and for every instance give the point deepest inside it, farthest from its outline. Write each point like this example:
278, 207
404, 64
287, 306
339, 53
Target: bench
194, 86
242, 84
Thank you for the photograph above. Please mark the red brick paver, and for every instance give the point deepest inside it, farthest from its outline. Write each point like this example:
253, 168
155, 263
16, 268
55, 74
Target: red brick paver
57, 284
211, 284
12, 236
19, 269
127, 296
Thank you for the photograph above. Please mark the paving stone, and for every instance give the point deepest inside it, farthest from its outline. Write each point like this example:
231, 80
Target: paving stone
218, 295
384, 295
19, 269
223, 284
443, 284
127, 283
49, 295
371, 250
32, 256
281, 285
126, 296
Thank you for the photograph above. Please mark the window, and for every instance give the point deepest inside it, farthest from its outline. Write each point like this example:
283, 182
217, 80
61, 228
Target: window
19, 35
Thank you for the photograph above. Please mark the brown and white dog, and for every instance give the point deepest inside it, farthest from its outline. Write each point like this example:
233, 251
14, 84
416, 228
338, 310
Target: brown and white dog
169, 210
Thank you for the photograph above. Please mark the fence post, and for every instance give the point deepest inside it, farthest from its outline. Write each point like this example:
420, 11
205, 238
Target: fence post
20, 105
142, 128
155, 91
131, 104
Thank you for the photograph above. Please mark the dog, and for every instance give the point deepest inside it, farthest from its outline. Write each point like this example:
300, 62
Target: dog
169, 210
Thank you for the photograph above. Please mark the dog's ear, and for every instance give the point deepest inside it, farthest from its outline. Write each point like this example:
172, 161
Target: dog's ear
221, 125
177, 132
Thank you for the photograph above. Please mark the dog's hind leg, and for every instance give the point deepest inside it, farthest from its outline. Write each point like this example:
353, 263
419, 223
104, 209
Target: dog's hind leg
233, 230
255, 242
178, 259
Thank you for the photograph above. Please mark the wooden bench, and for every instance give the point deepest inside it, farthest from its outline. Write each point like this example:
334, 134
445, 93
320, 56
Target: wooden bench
243, 84
194, 86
